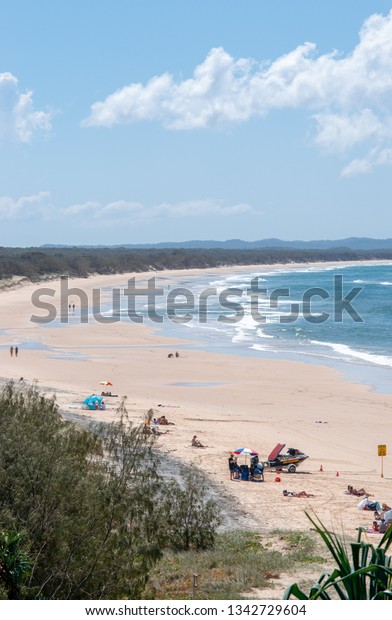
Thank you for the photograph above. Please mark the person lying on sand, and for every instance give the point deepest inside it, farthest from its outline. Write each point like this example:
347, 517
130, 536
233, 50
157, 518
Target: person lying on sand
297, 494
177, 406
196, 443
357, 492
151, 430
164, 421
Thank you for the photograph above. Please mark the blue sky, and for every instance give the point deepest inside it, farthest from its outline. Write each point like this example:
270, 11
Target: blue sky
136, 121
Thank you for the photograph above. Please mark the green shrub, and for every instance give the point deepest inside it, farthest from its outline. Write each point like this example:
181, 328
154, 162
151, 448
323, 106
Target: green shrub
364, 572
15, 566
84, 500
188, 518
94, 512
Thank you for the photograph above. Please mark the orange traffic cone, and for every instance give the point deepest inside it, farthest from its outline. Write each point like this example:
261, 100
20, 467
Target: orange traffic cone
337, 474
321, 468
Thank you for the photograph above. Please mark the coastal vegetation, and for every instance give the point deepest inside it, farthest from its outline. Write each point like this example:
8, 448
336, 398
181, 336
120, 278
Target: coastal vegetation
40, 263
246, 564
84, 513
240, 565
362, 570
88, 514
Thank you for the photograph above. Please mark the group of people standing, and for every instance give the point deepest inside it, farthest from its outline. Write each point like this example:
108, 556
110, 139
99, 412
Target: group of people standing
14, 350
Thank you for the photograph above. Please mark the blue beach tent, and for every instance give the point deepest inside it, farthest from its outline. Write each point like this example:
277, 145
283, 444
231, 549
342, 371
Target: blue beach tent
90, 401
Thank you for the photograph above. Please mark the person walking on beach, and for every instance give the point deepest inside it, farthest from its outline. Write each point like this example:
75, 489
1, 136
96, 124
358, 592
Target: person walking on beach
16, 351
11, 351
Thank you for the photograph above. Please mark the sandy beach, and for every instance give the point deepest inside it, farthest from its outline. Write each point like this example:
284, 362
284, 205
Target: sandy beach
227, 401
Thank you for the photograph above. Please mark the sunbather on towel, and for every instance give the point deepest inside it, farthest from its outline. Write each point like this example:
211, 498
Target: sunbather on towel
297, 494
164, 421
357, 492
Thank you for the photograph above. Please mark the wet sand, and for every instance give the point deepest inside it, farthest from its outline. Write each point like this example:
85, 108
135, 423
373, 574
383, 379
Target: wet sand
227, 401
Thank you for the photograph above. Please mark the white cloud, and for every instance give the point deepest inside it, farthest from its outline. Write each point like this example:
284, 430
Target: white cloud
342, 132
349, 96
80, 208
376, 157
134, 102
128, 211
197, 208
18, 118
25, 207
41, 206
121, 208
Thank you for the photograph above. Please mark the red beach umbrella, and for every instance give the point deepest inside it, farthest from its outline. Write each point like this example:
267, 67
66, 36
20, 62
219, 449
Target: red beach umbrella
105, 383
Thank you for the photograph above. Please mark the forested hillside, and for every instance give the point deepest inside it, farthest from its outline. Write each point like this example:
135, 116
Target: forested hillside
39, 263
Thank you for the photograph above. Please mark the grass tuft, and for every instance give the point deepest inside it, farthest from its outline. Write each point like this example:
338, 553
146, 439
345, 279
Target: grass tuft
239, 562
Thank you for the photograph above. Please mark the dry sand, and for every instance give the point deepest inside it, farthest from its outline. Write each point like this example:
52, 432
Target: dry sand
240, 402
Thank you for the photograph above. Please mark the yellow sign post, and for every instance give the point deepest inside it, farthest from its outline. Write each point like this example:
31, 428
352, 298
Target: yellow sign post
382, 451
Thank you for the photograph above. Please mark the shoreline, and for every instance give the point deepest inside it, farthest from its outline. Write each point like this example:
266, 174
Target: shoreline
374, 377
227, 401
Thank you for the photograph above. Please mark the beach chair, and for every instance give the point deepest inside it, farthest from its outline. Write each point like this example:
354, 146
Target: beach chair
257, 475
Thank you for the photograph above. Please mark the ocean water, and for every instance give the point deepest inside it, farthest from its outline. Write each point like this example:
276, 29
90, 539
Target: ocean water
340, 316
336, 315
